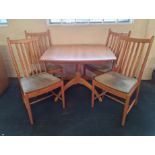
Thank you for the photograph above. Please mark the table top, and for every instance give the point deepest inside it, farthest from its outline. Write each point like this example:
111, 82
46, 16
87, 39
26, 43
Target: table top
78, 54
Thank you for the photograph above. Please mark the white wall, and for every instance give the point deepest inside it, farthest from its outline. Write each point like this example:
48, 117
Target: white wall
151, 61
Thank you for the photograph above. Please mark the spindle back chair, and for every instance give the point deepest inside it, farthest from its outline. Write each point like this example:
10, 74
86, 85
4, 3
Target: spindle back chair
125, 80
112, 42
32, 74
25, 55
45, 39
113, 39
134, 53
45, 42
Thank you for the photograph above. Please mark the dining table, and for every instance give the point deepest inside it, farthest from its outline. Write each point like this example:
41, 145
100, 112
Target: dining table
78, 55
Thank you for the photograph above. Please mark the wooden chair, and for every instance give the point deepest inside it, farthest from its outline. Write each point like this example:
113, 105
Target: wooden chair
32, 74
112, 42
45, 43
124, 81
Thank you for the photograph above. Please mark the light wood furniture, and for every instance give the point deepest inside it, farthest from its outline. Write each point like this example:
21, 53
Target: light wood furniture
45, 43
78, 55
125, 80
32, 74
112, 42
3, 76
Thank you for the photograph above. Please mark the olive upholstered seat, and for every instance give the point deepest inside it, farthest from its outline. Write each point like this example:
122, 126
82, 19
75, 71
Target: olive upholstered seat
117, 81
53, 67
36, 82
106, 67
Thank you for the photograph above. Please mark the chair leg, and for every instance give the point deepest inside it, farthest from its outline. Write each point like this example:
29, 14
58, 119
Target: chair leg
84, 70
63, 96
93, 94
28, 108
125, 111
137, 94
103, 95
61, 75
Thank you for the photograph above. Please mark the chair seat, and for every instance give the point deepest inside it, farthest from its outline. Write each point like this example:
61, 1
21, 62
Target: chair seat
37, 82
53, 67
117, 81
102, 67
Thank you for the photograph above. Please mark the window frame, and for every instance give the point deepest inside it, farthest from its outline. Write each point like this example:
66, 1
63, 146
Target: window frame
131, 21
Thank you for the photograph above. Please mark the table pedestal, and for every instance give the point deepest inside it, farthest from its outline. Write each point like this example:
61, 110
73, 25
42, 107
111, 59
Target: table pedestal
78, 80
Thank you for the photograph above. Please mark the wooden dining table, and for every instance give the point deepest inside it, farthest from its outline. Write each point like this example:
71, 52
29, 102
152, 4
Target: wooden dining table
78, 55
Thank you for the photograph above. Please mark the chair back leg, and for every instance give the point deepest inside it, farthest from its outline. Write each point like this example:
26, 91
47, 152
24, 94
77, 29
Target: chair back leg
28, 108
137, 94
93, 94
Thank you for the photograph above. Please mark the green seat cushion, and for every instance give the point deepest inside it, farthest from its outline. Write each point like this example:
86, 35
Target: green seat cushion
102, 67
116, 81
37, 82
53, 67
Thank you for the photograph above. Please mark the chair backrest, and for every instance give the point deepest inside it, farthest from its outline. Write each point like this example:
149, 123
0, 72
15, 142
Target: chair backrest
44, 39
113, 40
25, 57
133, 57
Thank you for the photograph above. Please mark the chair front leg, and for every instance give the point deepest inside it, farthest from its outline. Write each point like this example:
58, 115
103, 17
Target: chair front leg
93, 94
125, 111
63, 95
28, 108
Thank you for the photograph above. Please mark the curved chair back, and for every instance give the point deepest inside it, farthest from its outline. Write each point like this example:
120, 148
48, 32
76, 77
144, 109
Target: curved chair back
25, 54
133, 57
44, 38
113, 40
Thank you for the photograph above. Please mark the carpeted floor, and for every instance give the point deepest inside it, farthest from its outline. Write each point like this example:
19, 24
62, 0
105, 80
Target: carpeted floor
78, 118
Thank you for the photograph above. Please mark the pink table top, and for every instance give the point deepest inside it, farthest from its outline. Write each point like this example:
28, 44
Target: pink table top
78, 54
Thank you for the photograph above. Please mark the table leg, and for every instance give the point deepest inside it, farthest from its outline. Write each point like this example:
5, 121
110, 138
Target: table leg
78, 80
